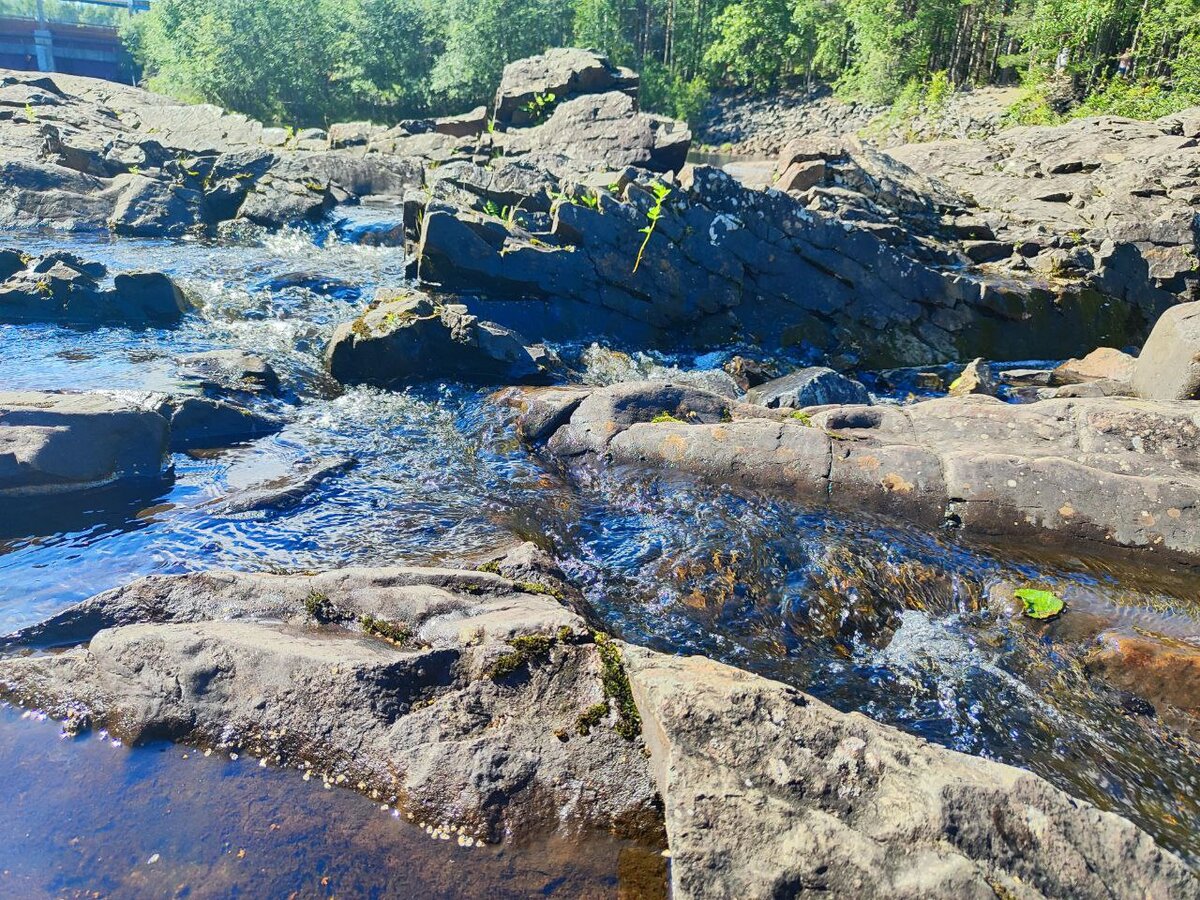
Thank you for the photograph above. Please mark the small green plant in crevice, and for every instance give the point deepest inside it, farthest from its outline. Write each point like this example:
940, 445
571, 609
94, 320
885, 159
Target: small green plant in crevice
539, 107
506, 214
390, 631
799, 415
1039, 604
591, 717
617, 689
29, 113
320, 608
532, 587
492, 567
664, 417
590, 199
653, 214
526, 648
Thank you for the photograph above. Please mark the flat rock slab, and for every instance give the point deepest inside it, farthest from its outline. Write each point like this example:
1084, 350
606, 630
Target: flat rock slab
387, 680
1112, 471
770, 793
53, 443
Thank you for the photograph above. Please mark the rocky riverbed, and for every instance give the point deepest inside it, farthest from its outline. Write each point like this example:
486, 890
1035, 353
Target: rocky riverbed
480, 474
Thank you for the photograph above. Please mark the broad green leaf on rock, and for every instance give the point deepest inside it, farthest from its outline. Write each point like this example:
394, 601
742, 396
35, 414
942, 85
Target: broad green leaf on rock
1040, 604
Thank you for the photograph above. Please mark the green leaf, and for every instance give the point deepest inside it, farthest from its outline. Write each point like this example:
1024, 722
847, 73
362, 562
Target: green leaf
1040, 604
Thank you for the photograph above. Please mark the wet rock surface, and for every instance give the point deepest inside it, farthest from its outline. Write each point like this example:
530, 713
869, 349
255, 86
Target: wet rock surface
53, 443
65, 289
1109, 471
405, 335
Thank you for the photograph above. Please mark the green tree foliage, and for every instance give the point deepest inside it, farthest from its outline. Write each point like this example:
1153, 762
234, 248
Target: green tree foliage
302, 62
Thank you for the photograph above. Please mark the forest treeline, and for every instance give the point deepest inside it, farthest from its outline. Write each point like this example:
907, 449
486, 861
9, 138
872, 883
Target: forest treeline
304, 62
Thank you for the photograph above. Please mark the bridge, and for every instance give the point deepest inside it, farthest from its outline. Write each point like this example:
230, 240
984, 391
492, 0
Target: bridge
42, 43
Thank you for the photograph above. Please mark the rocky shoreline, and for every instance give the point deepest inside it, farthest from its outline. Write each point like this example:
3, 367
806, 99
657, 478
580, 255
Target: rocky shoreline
482, 698
407, 684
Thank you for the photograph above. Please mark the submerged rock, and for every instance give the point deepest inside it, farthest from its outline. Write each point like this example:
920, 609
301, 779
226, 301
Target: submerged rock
1107, 471
404, 335
56, 443
816, 386
1165, 673
287, 490
1169, 365
231, 370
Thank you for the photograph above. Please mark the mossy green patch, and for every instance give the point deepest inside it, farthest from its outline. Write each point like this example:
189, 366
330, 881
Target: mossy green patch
525, 649
666, 417
1040, 604
617, 688
320, 608
590, 718
802, 417
395, 632
532, 587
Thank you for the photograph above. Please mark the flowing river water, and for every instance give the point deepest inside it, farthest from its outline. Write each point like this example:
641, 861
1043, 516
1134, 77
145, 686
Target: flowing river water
866, 614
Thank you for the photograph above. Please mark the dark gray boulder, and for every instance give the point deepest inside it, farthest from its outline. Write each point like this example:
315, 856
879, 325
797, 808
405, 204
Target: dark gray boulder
52, 443
353, 134
62, 288
148, 207
815, 386
564, 72
725, 261
405, 335
603, 131
207, 423
11, 262
151, 297
464, 125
